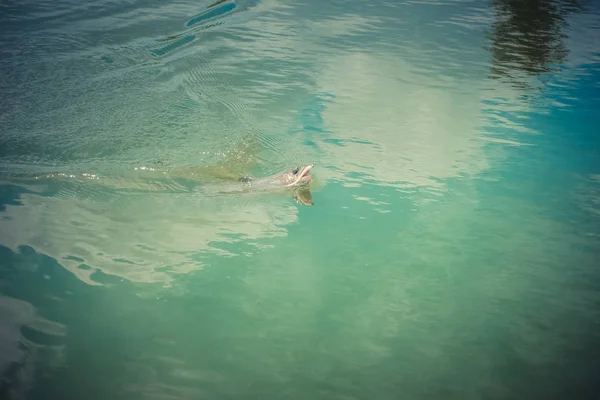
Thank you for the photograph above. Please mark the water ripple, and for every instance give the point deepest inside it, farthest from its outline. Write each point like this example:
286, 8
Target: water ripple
403, 95
443, 133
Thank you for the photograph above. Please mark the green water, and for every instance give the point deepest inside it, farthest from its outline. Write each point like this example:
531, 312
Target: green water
451, 251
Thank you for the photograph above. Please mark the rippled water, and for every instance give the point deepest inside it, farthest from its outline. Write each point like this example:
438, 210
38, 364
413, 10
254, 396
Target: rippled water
451, 250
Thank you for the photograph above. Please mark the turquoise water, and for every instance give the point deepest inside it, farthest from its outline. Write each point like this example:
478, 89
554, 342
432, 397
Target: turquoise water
451, 251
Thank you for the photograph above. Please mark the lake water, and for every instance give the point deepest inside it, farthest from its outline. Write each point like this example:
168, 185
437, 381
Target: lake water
452, 249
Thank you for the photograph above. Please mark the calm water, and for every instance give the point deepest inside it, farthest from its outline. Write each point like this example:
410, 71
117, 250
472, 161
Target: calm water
452, 249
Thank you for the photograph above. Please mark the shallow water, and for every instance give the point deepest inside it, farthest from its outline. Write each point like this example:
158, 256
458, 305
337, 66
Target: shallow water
450, 253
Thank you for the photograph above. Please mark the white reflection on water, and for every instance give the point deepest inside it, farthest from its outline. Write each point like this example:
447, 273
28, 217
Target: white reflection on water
143, 238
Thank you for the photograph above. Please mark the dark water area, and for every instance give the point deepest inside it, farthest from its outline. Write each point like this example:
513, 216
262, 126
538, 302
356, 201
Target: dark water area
451, 251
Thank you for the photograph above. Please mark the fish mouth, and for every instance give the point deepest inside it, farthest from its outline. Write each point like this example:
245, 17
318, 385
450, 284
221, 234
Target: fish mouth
303, 177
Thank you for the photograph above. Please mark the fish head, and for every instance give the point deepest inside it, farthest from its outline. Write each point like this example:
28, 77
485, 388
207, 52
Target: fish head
298, 176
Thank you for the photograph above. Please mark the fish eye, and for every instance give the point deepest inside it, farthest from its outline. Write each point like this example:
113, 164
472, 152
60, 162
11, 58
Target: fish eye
295, 171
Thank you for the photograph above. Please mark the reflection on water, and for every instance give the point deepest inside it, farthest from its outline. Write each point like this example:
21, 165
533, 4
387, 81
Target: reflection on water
450, 252
527, 37
416, 140
29, 346
143, 236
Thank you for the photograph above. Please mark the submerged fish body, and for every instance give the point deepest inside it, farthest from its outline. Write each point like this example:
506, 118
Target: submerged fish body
209, 181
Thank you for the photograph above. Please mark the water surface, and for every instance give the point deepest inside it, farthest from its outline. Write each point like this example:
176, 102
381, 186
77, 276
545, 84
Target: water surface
451, 252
